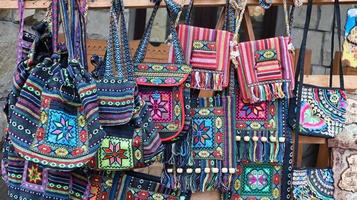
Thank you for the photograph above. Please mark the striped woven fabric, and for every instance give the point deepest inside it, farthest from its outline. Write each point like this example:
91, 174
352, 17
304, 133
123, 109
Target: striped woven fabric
265, 69
207, 50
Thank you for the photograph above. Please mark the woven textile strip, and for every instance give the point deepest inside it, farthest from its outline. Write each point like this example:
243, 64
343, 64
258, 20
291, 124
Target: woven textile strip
265, 69
207, 50
131, 185
211, 149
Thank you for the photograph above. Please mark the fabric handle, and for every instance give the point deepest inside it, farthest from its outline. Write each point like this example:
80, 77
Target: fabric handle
300, 65
142, 48
19, 50
118, 52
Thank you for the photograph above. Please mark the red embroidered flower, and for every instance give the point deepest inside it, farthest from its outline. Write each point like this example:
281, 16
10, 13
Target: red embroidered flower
219, 137
172, 68
40, 134
143, 67
251, 198
77, 151
44, 149
129, 195
144, 195
217, 154
241, 125
171, 198
218, 111
276, 179
137, 141
83, 136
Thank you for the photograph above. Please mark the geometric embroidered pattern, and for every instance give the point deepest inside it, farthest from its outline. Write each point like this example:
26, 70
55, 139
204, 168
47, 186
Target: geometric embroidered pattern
258, 181
62, 128
165, 106
115, 153
208, 133
255, 117
160, 105
60, 134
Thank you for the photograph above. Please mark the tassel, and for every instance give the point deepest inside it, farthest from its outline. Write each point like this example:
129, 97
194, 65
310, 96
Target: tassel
276, 150
254, 98
255, 147
280, 90
197, 79
261, 93
206, 75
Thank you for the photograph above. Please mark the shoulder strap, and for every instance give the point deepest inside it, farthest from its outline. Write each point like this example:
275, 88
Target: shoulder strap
117, 51
21, 6
141, 50
298, 87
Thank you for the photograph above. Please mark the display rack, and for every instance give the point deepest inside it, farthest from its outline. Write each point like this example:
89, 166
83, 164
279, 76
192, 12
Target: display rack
12, 4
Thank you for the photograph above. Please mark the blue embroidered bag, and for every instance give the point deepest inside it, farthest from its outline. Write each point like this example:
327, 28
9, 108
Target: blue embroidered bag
321, 109
313, 183
165, 87
115, 78
55, 121
135, 143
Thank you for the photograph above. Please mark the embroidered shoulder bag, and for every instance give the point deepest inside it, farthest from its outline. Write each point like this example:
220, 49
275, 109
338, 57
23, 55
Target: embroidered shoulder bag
165, 87
322, 110
207, 51
61, 128
135, 143
350, 44
115, 81
264, 67
311, 183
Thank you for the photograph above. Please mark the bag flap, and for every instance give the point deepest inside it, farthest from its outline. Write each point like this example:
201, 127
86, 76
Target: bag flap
158, 74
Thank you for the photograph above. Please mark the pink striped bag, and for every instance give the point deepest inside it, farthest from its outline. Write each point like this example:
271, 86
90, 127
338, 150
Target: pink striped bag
264, 67
207, 51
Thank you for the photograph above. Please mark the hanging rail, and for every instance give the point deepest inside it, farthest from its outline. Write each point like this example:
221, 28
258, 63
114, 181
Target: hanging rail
31, 4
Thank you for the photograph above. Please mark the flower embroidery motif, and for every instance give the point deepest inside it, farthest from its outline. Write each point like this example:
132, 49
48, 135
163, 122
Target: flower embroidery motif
257, 179
114, 153
63, 129
201, 133
256, 110
158, 106
34, 175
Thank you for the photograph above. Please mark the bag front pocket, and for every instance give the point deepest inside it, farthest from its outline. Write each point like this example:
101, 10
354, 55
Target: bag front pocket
162, 87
